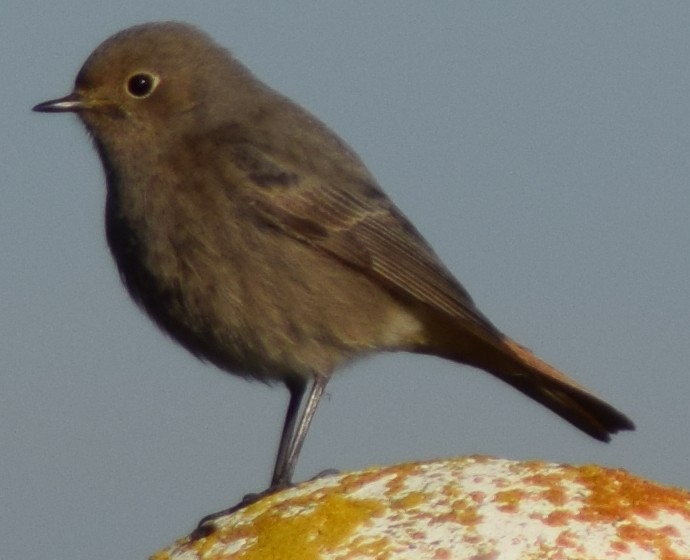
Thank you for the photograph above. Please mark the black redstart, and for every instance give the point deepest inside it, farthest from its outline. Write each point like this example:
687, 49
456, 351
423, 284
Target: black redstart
259, 241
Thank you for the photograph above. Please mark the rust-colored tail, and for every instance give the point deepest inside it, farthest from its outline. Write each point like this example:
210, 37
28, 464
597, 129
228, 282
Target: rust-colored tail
516, 365
562, 395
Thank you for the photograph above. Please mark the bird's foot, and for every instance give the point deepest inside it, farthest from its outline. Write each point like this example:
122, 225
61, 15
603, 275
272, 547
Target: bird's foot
325, 473
206, 525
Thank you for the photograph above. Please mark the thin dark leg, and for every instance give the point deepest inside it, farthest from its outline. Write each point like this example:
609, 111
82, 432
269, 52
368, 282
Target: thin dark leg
285, 461
291, 441
284, 477
297, 388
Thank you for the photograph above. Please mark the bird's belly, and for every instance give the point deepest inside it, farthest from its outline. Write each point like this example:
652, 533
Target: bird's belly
270, 308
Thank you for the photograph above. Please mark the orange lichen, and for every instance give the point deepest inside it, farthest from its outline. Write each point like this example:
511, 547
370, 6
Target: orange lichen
464, 512
442, 554
615, 494
453, 508
369, 548
477, 497
509, 500
650, 539
410, 501
620, 546
566, 541
305, 536
558, 518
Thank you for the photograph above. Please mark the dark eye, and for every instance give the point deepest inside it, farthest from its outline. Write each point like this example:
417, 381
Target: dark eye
141, 84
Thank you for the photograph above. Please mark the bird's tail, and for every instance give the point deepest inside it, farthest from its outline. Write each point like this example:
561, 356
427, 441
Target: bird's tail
562, 395
516, 365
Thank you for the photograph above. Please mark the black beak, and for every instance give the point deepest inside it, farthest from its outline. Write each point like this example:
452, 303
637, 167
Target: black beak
72, 103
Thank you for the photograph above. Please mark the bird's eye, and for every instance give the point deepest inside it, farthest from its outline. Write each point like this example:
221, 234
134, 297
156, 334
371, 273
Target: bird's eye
141, 84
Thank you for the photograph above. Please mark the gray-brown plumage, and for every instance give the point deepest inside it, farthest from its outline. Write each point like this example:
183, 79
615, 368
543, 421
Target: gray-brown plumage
257, 239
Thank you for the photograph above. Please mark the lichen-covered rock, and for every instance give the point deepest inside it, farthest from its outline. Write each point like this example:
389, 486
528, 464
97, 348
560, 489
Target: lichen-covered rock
477, 508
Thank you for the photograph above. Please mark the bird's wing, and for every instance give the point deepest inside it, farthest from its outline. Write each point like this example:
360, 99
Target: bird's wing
353, 221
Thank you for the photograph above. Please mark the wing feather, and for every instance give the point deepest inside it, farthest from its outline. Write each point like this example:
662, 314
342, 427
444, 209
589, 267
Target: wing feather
355, 222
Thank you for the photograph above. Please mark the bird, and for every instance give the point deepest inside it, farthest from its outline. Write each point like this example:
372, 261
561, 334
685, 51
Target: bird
258, 240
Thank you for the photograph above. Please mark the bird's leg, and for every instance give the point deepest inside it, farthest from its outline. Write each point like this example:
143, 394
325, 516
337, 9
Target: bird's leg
297, 388
291, 441
287, 458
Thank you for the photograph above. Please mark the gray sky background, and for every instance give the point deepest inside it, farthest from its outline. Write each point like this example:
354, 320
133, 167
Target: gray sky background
541, 147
